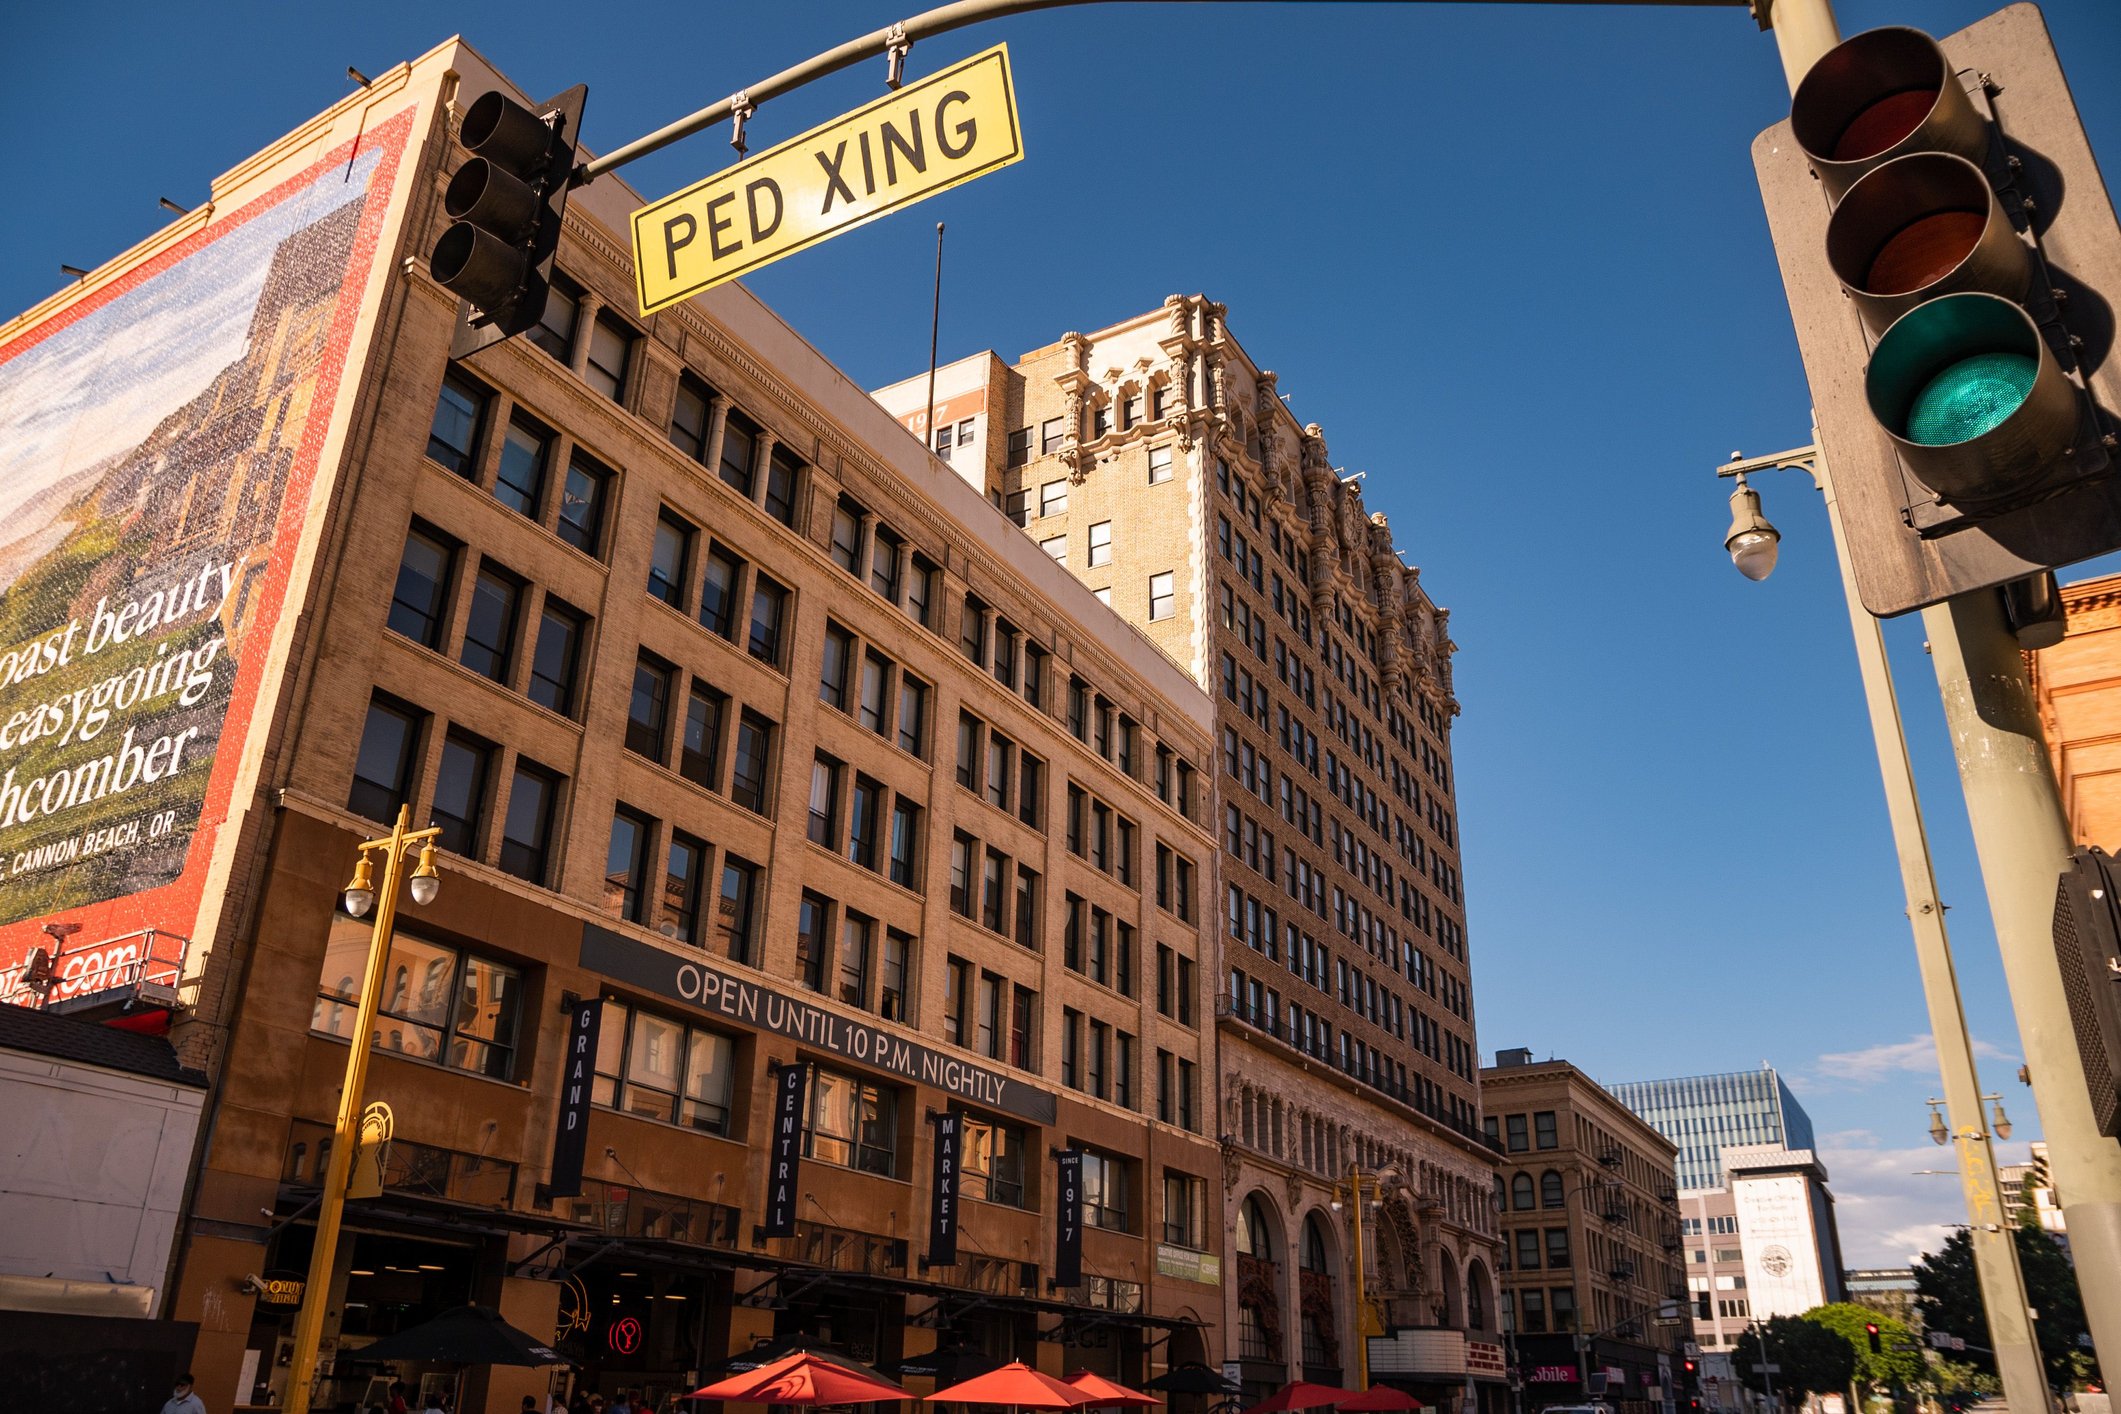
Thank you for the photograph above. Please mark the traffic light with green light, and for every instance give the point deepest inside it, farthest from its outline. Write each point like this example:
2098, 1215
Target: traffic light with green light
1949, 252
505, 204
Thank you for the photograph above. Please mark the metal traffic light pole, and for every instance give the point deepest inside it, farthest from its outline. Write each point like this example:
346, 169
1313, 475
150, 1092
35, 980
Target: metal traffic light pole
2022, 838
1989, 1228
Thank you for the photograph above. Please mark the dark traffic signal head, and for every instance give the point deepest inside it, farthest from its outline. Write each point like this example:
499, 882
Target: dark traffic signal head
1871, 1330
1945, 241
505, 205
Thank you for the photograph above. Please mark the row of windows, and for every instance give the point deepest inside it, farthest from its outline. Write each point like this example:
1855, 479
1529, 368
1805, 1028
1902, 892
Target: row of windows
845, 954
1052, 432
867, 693
699, 735
853, 821
1527, 1311
1005, 896
500, 602
1525, 1130
1522, 1252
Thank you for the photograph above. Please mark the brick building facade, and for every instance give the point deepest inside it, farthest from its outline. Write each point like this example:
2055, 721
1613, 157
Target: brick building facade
1157, 463
720, 688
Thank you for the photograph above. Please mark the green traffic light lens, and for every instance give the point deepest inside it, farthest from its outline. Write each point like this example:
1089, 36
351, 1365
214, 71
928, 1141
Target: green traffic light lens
1969, 398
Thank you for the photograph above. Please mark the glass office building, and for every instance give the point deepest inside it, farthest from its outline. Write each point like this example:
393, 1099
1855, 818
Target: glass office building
1703, 1113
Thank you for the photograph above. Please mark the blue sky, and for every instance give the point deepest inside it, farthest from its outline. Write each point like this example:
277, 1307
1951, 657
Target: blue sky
1512, 258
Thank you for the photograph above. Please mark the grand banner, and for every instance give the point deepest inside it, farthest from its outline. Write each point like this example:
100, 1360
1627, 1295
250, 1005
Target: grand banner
158, 443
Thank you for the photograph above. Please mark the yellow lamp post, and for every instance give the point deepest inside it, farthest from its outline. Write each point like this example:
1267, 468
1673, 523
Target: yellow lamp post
359, 896
1350, 1191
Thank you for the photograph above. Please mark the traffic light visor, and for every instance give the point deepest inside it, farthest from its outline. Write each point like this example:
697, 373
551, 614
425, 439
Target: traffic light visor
502, 130
1880, 95
1918, 227
1972, 395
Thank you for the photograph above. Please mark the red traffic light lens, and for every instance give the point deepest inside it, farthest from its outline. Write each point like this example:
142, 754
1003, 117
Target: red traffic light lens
1924, 251
1884, 123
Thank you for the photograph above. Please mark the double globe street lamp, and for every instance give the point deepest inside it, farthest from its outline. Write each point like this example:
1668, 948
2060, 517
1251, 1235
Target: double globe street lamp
358, 897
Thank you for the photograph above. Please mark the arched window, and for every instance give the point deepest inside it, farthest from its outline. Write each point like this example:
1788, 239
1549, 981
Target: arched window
1521, 1192
1477, 1299
1550, 1192
1255, 1235
1314, 1255
1502, 1194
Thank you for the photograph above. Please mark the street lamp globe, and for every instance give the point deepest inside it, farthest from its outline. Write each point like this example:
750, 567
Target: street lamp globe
1752, 539
359, 895
426, 881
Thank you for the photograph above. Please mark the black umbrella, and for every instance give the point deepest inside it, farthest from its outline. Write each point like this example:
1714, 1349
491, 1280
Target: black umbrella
950, 1364
467, 1335
1192, 1378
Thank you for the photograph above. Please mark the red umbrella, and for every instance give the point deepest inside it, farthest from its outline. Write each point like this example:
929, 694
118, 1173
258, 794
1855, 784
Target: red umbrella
1107, 1395
1018, 1384
1380, 1399
802, 1378
1300, 1395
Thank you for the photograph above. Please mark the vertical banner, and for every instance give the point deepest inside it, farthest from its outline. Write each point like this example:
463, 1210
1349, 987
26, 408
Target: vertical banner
1068, 1219
942, 1202
791, 1088
570, 1135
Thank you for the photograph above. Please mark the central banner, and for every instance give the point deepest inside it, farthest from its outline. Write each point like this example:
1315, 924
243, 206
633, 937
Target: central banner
929, 136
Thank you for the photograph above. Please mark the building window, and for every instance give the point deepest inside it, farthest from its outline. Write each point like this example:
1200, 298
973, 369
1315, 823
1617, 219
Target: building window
682, 878
957, 997
905, 843
769, 615
419, 605
1519, 1141
718, 591
1108, 1198
437, 1004
670, 558
453, 436
736, 920
1053, 497
832, 666
920, 592
648, 711
553, 661
813, 940
1551, 1194
626, 866
1049, 438
1019, 446
991, 1162
864, 819
875, 711
824, 801
1056, 548
610, 350
1543, 1131
1162, 597
664, 1070
857, 958
894, 1000
383, 765
783, 476
752, 761
1557, 1247
1185, 1208
691, 416
1564, 1304
847, 535
1017, 506
459, 803
1531, 1312
519, 484
490, 628
1521, 1192
739, 452
912, 716
1527, 1240
526, 832
853, 1123
1159, 465
700, 755
887, 555
1100, 543
582, 503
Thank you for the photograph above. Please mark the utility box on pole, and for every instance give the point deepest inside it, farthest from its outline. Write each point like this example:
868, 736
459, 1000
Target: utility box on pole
1950, 254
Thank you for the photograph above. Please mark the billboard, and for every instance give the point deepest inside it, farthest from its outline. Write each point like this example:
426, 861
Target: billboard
158, 443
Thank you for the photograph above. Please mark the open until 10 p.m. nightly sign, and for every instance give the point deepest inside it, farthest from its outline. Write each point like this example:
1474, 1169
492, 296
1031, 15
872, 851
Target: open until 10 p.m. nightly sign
734, 998
927, 137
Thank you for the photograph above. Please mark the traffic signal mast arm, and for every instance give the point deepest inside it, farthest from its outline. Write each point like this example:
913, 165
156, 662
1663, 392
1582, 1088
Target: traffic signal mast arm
892, 42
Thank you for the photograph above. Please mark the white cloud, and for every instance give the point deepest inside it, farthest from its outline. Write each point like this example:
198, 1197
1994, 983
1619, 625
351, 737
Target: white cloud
1917, 1055
1888, 1210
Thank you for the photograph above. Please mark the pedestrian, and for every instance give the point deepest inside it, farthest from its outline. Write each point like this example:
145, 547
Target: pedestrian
620, 1404
184, 1399
530, 1404
397, 1398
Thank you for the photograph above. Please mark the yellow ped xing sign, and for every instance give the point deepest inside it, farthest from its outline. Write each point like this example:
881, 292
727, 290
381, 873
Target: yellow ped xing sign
929, 136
